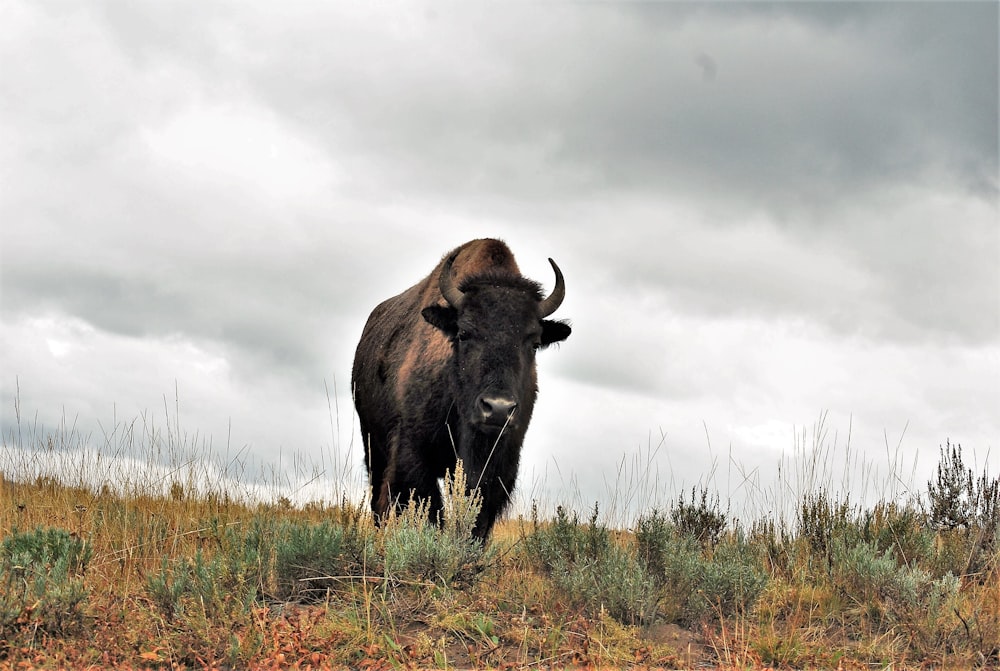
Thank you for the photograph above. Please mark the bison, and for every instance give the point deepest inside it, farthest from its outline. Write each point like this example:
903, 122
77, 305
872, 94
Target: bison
446, 371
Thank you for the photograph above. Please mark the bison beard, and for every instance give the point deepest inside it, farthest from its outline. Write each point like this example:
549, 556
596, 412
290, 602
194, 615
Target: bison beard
446, 371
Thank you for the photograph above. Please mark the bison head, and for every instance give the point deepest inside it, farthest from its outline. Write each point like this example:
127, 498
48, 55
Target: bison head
496, 322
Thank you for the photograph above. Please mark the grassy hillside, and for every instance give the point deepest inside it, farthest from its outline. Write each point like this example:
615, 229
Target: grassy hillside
128, 578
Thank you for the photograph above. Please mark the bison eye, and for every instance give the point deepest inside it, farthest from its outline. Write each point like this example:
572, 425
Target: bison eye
463, 335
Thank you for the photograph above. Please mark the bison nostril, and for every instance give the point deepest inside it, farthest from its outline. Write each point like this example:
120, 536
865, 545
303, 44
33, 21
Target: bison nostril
496, 409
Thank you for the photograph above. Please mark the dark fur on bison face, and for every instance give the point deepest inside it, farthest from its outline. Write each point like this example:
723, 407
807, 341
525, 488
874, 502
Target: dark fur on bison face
495, 330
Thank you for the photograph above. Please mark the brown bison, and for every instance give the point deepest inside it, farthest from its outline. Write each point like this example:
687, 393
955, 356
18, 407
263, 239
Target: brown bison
446, 371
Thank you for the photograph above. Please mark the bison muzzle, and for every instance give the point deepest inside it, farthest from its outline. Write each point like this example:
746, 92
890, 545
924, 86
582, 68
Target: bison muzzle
446, 371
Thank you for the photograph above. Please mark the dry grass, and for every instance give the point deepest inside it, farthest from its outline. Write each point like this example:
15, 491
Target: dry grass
502, 615
178, 571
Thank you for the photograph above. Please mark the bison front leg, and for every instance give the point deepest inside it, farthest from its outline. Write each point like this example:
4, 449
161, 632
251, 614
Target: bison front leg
495, 483
407, 478
375, 464
495, 499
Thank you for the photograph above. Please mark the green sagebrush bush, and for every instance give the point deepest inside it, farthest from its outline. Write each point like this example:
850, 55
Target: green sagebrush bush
680, 575
299, 559
693, 581
202, 587
823, 524
887, 592
411, 550
591, 568
41, 580
900, 528
309, 558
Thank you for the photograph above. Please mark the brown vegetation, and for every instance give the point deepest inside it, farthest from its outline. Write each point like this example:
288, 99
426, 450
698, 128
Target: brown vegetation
94, 579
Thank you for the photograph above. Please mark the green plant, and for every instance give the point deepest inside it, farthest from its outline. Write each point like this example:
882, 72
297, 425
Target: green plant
446, 554
674, 560
41, 580
201, 587
168, 587
866, 576
966, 510
591, 568
900, 528
733, 578
886, 594
951, 493
461, 505
309, 557
775, 544
694, 581
412, 551
820, 520
247, 551
700, 518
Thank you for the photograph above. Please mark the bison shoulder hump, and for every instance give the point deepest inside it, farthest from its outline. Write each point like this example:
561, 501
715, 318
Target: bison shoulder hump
484, 256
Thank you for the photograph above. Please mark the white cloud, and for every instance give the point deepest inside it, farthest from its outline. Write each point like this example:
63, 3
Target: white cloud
242, 145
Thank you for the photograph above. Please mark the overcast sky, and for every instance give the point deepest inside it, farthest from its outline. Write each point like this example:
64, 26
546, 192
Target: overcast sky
764, 212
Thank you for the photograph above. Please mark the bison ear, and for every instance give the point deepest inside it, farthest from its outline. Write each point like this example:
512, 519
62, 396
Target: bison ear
554, 331
443, 317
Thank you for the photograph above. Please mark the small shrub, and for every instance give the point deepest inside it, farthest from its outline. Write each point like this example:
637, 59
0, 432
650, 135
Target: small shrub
41, 580
248, 557
901, 529
202, 588
863, 574
733, 578
308, 558
414, 551
592, 569
461, 507
701, 518
965, 511
951, 492
168, 587
419, 553
177, 586
935, 621
775, 544
889, 593
694, 581
654, 536
821, 520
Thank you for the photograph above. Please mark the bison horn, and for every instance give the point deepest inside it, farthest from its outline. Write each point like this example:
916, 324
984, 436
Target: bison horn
450, 292
555, 299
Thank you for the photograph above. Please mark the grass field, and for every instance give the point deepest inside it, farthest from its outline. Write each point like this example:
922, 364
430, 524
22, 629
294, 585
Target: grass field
150, 567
